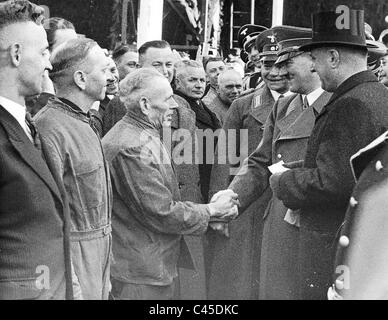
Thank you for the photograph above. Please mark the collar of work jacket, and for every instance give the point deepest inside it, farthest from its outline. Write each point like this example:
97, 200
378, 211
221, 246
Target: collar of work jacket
134, 119
69, 108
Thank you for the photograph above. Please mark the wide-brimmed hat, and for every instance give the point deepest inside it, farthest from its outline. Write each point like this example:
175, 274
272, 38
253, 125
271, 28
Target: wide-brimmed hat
345, 28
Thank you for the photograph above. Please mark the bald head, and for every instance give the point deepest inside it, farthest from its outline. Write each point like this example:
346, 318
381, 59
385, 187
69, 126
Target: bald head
229, 86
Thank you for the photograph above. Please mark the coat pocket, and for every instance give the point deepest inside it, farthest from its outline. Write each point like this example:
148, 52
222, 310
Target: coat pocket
19, 289
92, 196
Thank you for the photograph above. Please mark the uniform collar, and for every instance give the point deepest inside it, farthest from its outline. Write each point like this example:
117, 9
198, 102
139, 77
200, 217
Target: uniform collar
276, 94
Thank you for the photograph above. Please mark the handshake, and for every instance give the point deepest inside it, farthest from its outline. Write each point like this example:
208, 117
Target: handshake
223, 208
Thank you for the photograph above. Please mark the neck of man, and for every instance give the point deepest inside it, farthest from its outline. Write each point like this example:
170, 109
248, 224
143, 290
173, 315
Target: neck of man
78, 98
348, 71
10, 89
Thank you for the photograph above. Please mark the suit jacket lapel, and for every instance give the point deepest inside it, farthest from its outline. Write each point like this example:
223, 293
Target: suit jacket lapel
262, 103
299, 123
27, 151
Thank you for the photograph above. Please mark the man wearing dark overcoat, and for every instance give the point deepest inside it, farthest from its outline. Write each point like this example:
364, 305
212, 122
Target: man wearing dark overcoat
354, 116
245, 119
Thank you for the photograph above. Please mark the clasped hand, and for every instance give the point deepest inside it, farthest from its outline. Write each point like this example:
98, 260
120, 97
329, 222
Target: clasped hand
223, 207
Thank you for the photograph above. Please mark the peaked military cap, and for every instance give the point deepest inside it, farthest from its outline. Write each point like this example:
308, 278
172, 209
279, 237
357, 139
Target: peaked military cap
267, 41
247, 35
290, 48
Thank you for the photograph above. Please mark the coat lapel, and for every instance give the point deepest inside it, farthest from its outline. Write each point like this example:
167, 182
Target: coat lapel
27, 150
262, 104
299, 123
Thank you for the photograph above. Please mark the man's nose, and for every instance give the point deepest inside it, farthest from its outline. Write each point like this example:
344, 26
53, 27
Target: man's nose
173, 104
49, 65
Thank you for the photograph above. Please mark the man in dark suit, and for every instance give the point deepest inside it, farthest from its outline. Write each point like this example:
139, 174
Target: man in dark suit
34, 245
354, 116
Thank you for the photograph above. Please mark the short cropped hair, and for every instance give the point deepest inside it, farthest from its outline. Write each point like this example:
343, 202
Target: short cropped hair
121, 50
18, 11
132, 87
182, 66
207, 59
70, 55
159, 44
53, 24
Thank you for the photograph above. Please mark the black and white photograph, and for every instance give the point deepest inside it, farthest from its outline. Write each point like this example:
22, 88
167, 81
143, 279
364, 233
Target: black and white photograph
193, 155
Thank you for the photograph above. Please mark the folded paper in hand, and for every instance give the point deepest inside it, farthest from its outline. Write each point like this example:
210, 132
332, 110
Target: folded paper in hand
278, 167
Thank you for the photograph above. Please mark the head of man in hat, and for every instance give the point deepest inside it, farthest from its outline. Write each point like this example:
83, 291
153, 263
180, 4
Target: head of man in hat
299, 65
246, 39
338, 47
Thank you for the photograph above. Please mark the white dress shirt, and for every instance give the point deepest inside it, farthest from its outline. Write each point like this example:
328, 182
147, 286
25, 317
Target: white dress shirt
276, 94
313, 96
18, 112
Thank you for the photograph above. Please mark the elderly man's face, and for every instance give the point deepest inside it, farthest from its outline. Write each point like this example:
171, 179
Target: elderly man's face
230, 88
112, 78
274, 76
96, 77
213, 70
127, 63
299, 73
192, 83
321, 65
162, 103
383, 73
160, 59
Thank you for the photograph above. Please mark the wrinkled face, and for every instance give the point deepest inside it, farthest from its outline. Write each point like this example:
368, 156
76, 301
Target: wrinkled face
63, 35
213, 70
321, 58
383, 73
192, 83
299, 73
230, 88
127, 63
112, 78
162, 104
33, 58
96, 77
274, 76
160, 59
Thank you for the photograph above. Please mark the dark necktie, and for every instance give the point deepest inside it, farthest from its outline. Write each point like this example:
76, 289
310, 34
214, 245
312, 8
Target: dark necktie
34, 133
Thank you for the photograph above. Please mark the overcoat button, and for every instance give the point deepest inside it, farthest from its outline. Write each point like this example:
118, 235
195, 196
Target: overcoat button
344, 241
353, 202
279, 156
379, 166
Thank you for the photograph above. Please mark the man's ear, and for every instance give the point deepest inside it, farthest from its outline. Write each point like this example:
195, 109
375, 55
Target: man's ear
16, 54
79, 78
334, 58
145, 105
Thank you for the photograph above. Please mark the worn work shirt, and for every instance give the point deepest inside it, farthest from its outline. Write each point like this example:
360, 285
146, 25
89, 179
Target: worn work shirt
148, 217
77, 162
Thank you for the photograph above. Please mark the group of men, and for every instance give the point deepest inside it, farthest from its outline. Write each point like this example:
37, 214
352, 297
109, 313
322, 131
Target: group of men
137, 181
